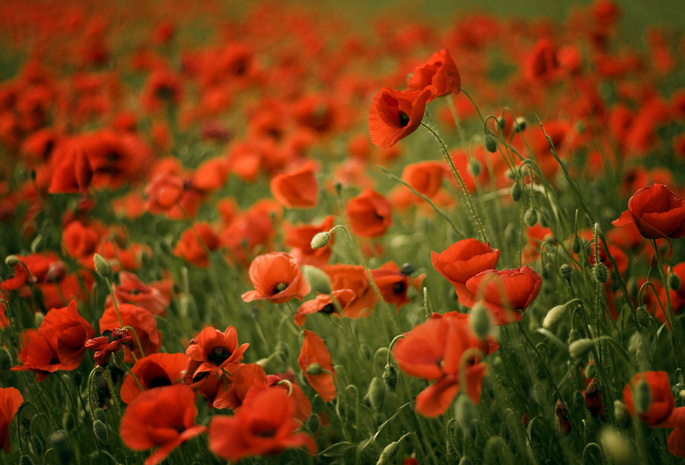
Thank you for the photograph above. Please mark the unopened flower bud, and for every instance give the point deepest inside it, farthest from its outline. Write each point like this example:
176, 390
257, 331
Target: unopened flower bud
38, 318
565, 270
501, 123
553, 316
617, 447
5, 360
591, 371
600, 273
642, 396
490, 143
100, 415
593, 398
674, 281
376, 393
390, 377
100, 432
11, 260
102, 266
314, 369
338, 187
561, 423
59, 441
531, 216
621, 412
575, 245
388, 453
321, 240
516, 192
520, 124
407, 269
644, 319
479, 321
313, 422
580, 347
465, 412
474, 168
317, 279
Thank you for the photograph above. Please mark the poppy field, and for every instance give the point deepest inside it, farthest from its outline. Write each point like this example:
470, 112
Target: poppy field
273, 234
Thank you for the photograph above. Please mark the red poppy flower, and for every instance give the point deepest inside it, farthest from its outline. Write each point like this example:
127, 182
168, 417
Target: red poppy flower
369, 214
131, 290
541, 64
463, 260
439, 73
353, 277
300, 238
506, 293
153, 371
10, 401
190, 248
163, 192
234, 389
71, 330
286, 381
276, 277
396, 114
216, 351
163, 418
111, 341
142, 321
298, 188
211, 175
425, 176
315, 362
263, 426
81, 241
40, 267
40, 356
325, 303
661, 401
656, 211
435, 350
676, 440
393, 284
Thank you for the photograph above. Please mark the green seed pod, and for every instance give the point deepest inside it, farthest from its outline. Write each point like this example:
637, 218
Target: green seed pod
474, 168
313, 423
100, 431
376, 393
317, 278
516, 192
600, 273
68, 421
575, 245
566, 271
531, 216
390, 377
5, 359
102, 266
490, 143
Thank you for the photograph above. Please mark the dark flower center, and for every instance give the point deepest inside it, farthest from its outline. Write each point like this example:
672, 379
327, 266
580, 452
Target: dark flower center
218, 355
399, 287
404, 119
135, 291
278, 287
328, 309
54, 361
159, 381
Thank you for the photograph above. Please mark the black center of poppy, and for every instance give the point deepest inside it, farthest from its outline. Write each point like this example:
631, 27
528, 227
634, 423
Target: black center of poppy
268, 433
399, 287
159, 382
278, 287
404, 119
328, 309
135, 291
218, 355
54, 361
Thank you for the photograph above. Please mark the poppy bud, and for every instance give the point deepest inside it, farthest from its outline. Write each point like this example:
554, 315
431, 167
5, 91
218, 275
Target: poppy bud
465, 412
580, 347
593, 398
520, 124
561, 423
407, 269
376, 393
531, 216
321, 240
338, 188
617, 447
621, 412
59, 441
12, 260
38, 318
565, 271
575, 245
102, 266
644, 319
68, 421
490, 143
553, 316
673, 281
643, 396
314, 369
100, 415
390, 377
501, 123
480, 320
100, 431
5, 360
591, 371
25, 460
313, 423
388, 453
317, 279
516, 192
474, 168
600, 273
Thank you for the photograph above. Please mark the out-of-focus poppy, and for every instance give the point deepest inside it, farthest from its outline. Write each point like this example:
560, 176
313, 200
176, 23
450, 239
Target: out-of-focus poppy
234, 389
425, 176
656, 211
153, 371
263, 426
131, 290
277, 277
141, 320
396, 114
506, 293
369, 214
439, 73
40, 356
215, 351
163, 418
463, 260
661, 401
71, 331
286, 381
10, 401
300, 238
325, 303
298, 188
315, 362
163, 192
393, 284
541, 65
195, 242
354, 277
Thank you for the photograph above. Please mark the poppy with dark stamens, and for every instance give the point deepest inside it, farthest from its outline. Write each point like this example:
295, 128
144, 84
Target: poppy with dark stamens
153, 371
395, 114
217, 352
325, 303
393, 284
369, 213
277, 277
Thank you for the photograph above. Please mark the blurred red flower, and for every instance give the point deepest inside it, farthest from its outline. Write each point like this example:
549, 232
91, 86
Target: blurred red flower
277, 277
298, 188
439, 73
325, 303
396, 114
656, 211
190, 247
141, 320
661, 401
10, 401
315, 362
153, 371
369, 214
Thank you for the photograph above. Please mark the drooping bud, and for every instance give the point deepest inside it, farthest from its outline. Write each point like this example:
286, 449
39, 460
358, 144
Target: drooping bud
465, 412
376, 393
561, 423
591, 371
314, 369
479, 321
531, 216
580, 347
516, 192
388, 453
321, 240
390, 377
520, 124
100, 432
100, 415
12, 260
566, 271
600, 273
553, 316
490, 143
673, 281
593, 397
407, 269
644, 319
317, 279
102, 266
